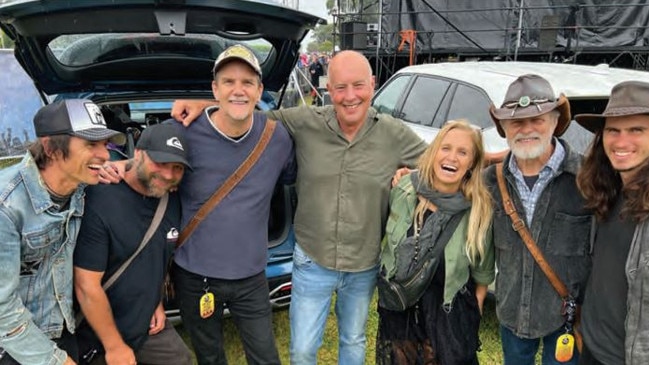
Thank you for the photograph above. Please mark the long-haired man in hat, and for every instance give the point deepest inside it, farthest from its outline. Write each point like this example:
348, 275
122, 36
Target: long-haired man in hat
615, 182
540, 172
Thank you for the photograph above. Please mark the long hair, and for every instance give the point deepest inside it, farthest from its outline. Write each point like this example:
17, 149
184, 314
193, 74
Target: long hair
472, 187
44, 148
601, 185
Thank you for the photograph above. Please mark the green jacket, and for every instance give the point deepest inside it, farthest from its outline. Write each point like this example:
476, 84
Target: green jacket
403, 201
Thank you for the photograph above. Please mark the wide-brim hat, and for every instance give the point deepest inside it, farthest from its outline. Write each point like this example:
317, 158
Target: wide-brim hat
530, 96
627, 98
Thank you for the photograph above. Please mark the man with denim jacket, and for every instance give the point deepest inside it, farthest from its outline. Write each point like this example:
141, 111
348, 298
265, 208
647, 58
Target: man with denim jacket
540, 172
41, 203
614, 179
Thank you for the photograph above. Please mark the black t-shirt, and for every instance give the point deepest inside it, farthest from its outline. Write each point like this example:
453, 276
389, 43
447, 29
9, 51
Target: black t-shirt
114, 223
604, 309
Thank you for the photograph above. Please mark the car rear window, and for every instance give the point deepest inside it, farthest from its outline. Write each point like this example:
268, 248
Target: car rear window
87, 49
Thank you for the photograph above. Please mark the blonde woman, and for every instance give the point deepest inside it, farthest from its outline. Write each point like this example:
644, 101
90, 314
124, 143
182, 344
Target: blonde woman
445, 209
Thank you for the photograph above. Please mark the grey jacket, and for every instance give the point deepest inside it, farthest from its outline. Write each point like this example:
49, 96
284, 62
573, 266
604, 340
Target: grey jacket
527, 303
637, 320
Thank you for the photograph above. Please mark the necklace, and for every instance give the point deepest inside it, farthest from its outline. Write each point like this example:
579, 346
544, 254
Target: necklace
54, 193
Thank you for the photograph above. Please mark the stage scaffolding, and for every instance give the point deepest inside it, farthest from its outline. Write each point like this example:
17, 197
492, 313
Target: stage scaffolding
392, 33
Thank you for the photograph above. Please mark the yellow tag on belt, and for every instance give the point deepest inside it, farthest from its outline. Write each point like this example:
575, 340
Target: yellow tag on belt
565, 347
207, 305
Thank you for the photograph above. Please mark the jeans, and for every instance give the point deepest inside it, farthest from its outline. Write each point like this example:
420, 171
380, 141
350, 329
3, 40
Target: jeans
248, 302
521, 351
67, 342
313, 287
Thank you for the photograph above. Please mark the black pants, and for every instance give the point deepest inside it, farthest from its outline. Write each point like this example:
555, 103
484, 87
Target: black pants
586, 357
248, 302
66, 342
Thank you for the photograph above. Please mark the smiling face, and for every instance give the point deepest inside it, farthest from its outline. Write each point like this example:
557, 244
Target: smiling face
351, 86
157, 178
531, 138
238, 89
626, 143
81, 165
452, 160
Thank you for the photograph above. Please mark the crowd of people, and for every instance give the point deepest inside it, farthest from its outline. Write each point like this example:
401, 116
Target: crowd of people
431, 242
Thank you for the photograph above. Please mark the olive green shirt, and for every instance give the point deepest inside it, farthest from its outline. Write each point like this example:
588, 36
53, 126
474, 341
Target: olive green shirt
343, 187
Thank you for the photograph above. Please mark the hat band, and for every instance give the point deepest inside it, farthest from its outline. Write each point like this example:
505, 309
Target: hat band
524, 102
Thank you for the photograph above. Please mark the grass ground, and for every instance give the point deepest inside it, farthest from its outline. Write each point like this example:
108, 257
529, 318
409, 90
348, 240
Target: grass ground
491, 352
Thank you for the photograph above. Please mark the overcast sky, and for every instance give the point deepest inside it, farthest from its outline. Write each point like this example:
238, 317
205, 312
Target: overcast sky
316, 7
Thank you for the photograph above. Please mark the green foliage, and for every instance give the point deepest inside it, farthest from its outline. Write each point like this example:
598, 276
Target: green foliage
323, 33
325, 46
5, 41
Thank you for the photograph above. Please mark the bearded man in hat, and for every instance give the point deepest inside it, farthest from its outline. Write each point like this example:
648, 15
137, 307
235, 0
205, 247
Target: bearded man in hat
615, 180
126, 323
540, 172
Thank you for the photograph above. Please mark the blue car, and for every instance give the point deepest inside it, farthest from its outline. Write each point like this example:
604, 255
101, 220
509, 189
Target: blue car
134, 57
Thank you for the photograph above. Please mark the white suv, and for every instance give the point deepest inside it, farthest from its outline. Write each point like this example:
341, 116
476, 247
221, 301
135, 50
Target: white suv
426, 96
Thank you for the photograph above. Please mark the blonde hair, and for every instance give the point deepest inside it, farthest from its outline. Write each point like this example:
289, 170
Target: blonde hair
472, 187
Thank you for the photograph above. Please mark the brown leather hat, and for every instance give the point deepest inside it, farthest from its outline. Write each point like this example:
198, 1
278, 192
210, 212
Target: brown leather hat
530, 96
627, 98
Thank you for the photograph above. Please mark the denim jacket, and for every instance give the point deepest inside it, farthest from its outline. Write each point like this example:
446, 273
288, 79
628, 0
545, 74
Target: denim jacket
527, 304
458, 268
637, 274
35, 265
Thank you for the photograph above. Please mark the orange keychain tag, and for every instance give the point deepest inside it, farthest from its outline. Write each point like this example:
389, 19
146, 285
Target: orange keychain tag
207, 305
565, 347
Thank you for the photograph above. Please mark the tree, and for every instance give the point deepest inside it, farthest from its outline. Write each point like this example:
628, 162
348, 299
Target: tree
5, 41
323, 39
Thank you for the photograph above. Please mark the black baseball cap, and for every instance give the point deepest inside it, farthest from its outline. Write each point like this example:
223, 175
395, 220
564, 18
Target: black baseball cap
77, 117
164, 143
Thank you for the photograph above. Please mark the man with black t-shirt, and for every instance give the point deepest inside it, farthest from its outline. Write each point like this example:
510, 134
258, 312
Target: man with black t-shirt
127, 322
614, 180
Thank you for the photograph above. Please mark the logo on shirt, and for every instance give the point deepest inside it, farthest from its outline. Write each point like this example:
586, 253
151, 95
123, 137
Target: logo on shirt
172, 235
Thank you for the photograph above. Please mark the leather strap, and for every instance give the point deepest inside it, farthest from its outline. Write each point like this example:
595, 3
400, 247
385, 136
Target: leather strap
155, 222
229, 184
519, 226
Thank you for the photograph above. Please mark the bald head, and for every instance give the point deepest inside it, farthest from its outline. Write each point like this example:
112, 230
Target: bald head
347, 59
351, 86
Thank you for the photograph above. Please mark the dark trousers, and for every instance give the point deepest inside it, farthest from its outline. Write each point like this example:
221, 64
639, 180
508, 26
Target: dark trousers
248, 303
586, 357
67, 342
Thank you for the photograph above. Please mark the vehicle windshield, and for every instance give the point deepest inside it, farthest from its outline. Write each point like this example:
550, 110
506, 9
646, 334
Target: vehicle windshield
87, 49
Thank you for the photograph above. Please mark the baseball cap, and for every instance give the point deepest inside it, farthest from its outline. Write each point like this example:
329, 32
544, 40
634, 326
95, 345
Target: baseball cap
77, 117
164, 143
237, 52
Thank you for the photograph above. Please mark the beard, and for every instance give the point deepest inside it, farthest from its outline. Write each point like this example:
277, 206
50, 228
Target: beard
148, 180
530, 152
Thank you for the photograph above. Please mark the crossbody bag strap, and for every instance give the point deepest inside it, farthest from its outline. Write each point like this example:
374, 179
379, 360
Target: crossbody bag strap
229, 184
155, 222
